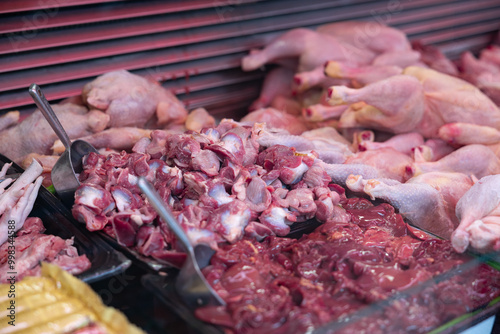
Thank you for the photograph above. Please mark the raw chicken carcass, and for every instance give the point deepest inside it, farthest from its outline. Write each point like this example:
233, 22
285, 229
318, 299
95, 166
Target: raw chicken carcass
9, 119
131, 100
427, 200
476, 160
15, 143
395, 104
420, 100
276, 119
390, 163
453, 100
277, 83
485, 75
312, 48
115, 138
435, 59
367, 35
479, 213
355, 42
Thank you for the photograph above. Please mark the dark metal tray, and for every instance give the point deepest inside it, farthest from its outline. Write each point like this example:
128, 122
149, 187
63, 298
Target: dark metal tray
58, 221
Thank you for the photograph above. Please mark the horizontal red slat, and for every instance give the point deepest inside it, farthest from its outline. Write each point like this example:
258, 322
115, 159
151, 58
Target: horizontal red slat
222, 95
475, 43
14, 43
133, 62
211, 80
57, 17
453, 22
460, 32
73, 71
118, 29
28, 5
17, 61
58, 91
171, 48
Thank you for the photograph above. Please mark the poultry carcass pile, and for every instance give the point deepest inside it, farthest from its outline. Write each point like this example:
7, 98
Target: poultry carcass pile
350, 105
113, 113
435, 122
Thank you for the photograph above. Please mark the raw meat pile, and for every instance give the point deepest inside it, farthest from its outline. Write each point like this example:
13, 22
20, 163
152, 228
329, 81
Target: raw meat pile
32, 247
220, 183
22, 242
113, 112
420, 130
284, 285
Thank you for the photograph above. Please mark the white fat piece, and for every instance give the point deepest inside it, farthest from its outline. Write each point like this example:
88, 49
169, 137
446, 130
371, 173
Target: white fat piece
298, 172
234, 224
220, 195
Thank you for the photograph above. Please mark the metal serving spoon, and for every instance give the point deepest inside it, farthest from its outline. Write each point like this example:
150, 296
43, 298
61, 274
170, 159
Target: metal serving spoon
63, 173
190, 284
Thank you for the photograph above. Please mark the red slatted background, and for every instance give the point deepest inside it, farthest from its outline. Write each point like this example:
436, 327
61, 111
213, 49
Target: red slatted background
194, 47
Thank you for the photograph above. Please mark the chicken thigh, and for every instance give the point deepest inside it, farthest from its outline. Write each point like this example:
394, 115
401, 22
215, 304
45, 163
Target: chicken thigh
466, 134
312, 48
483, 74
479, 213
277, 83
427, 200
396, 104
476, 160
360, 75
390, 163
420, 100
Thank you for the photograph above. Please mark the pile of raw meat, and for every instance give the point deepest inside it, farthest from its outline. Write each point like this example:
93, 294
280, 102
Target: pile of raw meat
284, 285
422, 129
220, 183
22, 243
32, 247
351, 107
113, 112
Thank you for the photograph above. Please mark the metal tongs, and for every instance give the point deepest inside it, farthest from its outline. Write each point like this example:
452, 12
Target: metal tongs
190, 284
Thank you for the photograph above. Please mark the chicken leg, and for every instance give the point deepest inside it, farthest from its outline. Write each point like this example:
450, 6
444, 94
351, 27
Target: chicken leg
477, 160
360, 75
466, 133
399, 103
428, 200
312, 48
479, 213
